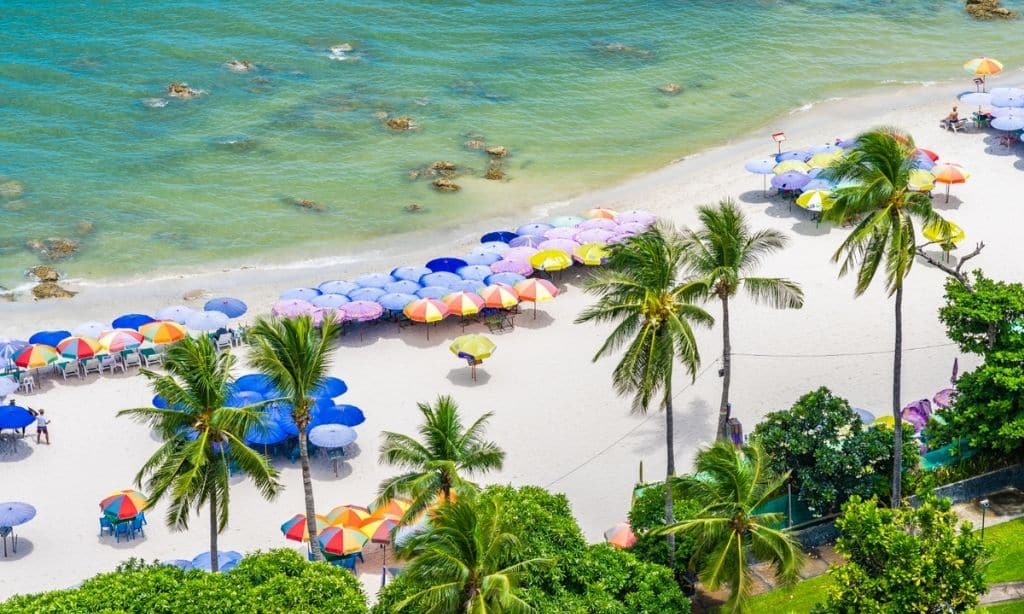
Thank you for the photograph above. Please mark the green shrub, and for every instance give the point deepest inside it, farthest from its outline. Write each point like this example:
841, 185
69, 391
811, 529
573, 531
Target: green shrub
648, 512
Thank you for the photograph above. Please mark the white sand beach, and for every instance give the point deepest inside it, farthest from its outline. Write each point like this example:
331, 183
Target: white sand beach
556, 414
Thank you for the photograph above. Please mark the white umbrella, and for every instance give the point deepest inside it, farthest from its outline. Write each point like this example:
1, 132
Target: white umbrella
206, 321
1007, 97
331, 435
7, 386
1009, 122
980, 99
93, 330
175, 313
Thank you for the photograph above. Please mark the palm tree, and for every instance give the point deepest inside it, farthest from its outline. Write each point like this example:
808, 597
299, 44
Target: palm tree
202, 438
730, 484
295, 355
878, 169
641, 292
436, 463
722, 252
466, 563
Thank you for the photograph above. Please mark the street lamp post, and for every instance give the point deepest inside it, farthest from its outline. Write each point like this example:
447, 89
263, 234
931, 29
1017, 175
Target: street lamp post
984, 503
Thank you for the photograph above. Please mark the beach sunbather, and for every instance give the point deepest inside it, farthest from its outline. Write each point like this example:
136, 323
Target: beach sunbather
41, 422
953, 121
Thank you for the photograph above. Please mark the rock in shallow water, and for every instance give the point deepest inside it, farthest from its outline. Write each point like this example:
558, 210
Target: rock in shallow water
53, 248
402, 122
989, 9
49, 289
442, 184
44, 273
670, 88
181, 90
497, 151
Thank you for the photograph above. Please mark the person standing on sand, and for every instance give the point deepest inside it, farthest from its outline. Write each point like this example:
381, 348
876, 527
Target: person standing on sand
41, 422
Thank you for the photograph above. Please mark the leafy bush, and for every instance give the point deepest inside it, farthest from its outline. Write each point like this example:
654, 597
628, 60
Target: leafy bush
277, 581
905, 560
985, 318
830, 452
648, 512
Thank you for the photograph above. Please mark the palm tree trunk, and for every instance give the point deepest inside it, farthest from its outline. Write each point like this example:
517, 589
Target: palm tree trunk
670, 472
214, 566
723, 408
307, 488
897, 366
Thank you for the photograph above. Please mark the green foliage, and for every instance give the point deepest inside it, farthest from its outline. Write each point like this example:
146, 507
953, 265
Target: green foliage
985, 318
829, 451
905, 560
648, 512
276, 581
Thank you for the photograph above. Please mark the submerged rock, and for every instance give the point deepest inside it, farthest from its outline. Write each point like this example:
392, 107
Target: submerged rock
44, 273
622, 49
497, 151
989, 9
401, 122
50, 289
443, 184
495, 172
53, 248
85, 227
413, 208
341, 48
240, 65
670, 88
305, 203
476, 144
182, 91
154, 103
443, 168
10, 188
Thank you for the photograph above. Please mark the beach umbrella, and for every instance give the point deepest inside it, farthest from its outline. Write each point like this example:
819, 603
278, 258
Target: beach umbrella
35, 355
594, 235
565, 220
332, 435
520, 267
620, 536
535, 229
1009, 123
345, 415
499, 296
636, 216
226, 560
396, 301
14, 417
49, 337
392, 508
1006, 112
508, 278
410, 273
175, 313
441, 278
14, 513
7, 386
93, 330
360, 311
979, 99
923, 163
9, 347
472, 347
266, 434
474, 272
521, 253
449, 265
526, 241
824, 148
131, 320
379, 530
330, 387
564, 232
933, 233
786, 166
819, 184
207, 321
435, 292
1007, 97
466, 285
490, 247
463, 303
79, 348
336, 286
121, 340
181, 564
498, 235
255, 382
931, 155
600, 223
949, 174
352, 516
823, 160
763, 167
590, 254
341, 541
231, 307
163, 332
551, 259
239, 398
536, 290
943, 398
329, 301
815, 200
921, 180
600, 213
302, 294
123, 504
297, 529
402, 286
292, 308
485, 259
366, 294
796, 154
373, 280
790, 180
983, 66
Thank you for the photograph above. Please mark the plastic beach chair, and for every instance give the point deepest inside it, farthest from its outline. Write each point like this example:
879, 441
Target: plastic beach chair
70, 369
124, 529
106, 525
136, 526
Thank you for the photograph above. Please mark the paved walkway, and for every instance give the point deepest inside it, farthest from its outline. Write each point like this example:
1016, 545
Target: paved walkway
1007, 591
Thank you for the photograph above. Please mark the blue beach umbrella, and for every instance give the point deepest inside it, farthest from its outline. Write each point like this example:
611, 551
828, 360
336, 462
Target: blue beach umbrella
396, 301
485, 258
241, 398
449, 265
331, 436
231, 307
345, 415
475, 272
174, 313
923, 162
435, 292
490, 247
204, 561
366, 294
797, 154
206, 321
330, 301
402, 286
441, 278
256, 382
466, 285
509, 279
337, 286
9, 347
266, 434
761, 166
498, 235
14, 513
14, 417
49, 337
302, 294
534, 229
372, 280
330, 387
790, 180
131, 320
410, 273
159, 402
563, 221
179, 563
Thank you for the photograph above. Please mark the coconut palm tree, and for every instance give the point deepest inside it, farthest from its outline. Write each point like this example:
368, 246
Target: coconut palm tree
641, 292
465, 563
730, 484
437, 462
877, 171
202, 438
723, 252
295, 355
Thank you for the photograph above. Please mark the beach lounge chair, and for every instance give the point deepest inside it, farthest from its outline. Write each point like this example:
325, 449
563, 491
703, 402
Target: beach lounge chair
152, 357
110, 363
130, 359
92, 365
956, 126
70, 369
224, 341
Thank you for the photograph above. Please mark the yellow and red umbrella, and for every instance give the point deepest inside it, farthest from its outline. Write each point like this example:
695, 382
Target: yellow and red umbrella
341, 540
379, 530
348, 516
983, 66
535, 290
35, 355
620, 536
296, 528
393, 509
163, 331
499, 296
591, 254
79, 348
121, 340
600, 213
550, 260
426, 310
949, 173
463, 303
123, 504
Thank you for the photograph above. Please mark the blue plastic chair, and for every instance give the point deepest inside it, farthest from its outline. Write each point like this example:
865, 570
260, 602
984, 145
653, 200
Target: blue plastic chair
142, 515
106, 525
123, 529
136, 526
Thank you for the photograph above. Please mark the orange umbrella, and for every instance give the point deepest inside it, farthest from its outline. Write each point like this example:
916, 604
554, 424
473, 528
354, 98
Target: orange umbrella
296, 528
601, 213
620, 536
163, 332
348, 516
949, 173
535, 290
426, 310
393, 509
499, 296
463, 303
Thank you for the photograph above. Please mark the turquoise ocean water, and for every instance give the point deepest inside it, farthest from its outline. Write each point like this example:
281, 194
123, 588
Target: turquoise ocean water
570, 87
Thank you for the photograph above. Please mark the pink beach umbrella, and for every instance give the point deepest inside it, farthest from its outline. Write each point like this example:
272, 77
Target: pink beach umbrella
519, 267
360, 311
601, 223
943, 398
632, 228
641, 217
293, 308
526, 241
562, 232
594, 235
564, 245
520, 253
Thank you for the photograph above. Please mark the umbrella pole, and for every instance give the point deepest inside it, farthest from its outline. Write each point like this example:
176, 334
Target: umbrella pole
384, 566
764, 184
947, 192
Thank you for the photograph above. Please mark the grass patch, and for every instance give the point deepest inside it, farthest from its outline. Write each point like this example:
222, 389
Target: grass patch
1006, 543
796, 600
1010, 607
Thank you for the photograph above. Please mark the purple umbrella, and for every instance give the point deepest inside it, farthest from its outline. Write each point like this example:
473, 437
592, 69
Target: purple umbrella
847, 143
366, 294
361, 311
512, 266
435, 292
207, 321
508, 278
640, 217
917, 414
337, 286
447, 264
293, 308
826, 148
943, 398
410, 273
521, 253
562, 232
601, 223
565, 245
331, 435
466, 285
13, 513
402, 287
174, 313
526, 241
396, 301
330, 301
797, 154
536, 228
484, 259
373, 280
790, 180
231, 307
594, 235
475, 272
621, 236
441, 278
303, 294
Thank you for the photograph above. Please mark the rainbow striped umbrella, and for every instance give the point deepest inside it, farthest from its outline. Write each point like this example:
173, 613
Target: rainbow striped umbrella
463, 303
163, 332
600, 213
591, 254
296, 529
379, 531
35, 355
79, 348
983, 66
123, 504
121, 340
426, 310
352, 516
620, 536
342, 540
393, 509
499, 296
536, 290
551, 260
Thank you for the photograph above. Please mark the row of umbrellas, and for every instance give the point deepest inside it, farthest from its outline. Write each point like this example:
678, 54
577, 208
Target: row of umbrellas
347, 528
